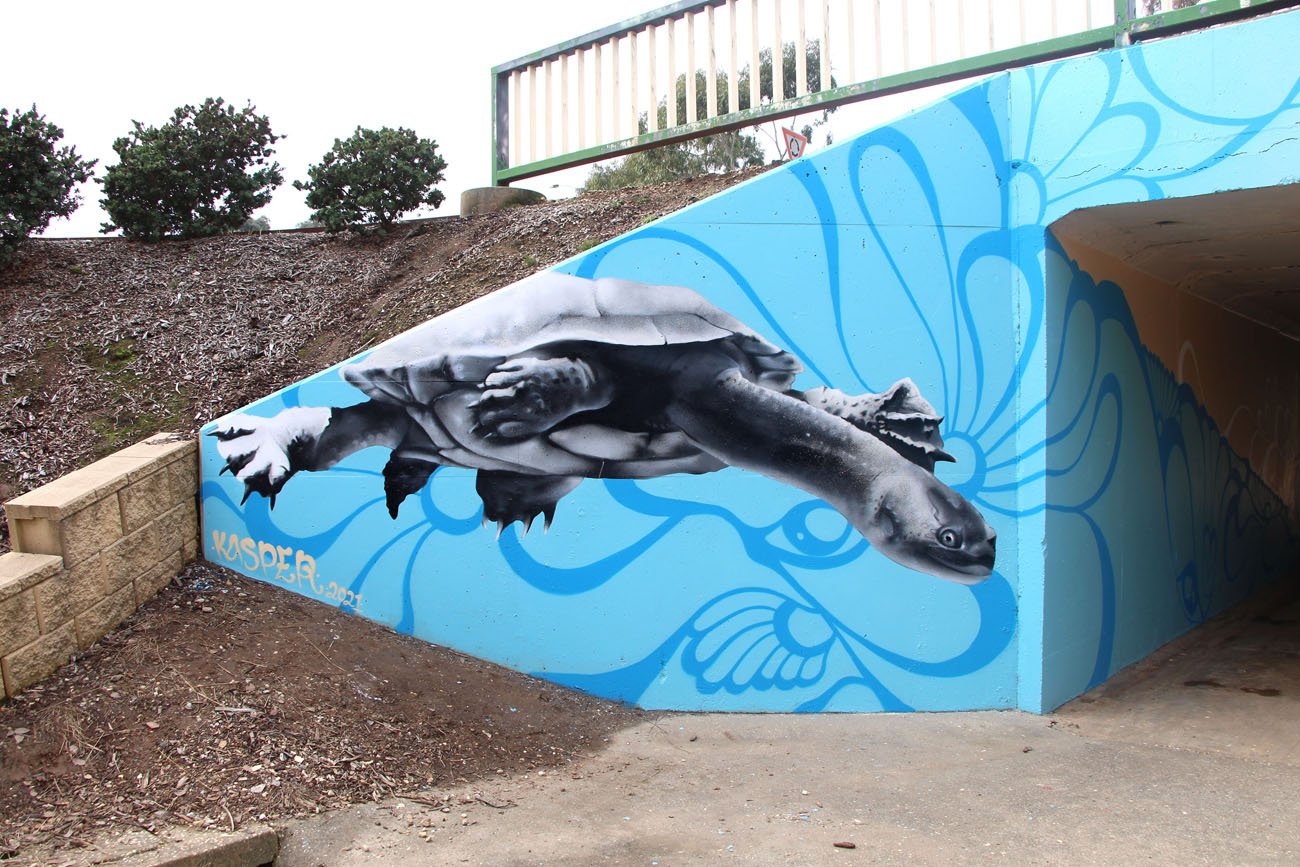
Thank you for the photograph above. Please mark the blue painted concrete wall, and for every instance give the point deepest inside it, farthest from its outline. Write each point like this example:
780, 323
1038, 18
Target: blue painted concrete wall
1154, 523
918, 250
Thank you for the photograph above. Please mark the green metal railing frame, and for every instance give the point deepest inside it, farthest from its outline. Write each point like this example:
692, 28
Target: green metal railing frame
1128, 27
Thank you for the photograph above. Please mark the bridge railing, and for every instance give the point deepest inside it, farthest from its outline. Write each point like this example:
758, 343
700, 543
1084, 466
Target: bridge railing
614, 91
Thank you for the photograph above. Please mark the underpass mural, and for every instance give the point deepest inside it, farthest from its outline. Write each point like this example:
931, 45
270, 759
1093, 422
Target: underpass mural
903, 292
558, 378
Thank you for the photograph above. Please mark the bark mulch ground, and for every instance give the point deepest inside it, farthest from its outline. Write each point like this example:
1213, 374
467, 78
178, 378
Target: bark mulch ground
225, 701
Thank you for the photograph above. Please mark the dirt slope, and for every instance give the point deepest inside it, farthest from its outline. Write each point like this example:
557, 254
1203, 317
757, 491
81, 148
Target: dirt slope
224, 700
103, 342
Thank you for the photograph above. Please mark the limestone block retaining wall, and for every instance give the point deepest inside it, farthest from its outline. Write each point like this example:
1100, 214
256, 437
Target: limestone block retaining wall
89, 548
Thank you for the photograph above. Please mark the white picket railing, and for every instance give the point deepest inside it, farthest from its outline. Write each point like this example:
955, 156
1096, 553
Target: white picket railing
600, 95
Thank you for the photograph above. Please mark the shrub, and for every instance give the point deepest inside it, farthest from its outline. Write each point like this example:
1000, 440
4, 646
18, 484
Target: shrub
38, 179
202, 173
374, 176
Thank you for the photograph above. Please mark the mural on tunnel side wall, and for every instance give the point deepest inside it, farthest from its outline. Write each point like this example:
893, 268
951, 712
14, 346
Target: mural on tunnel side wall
560, 378
919, 251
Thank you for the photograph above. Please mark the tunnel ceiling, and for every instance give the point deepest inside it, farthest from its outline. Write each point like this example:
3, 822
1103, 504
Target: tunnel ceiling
1238, 249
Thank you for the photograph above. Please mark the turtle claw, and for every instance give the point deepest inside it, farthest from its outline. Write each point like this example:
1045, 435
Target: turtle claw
510, 497
235, 463
262, 484
229, 433
264, 453
483, 431
506, 520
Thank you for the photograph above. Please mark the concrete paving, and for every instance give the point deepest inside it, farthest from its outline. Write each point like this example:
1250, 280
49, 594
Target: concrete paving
1192, 757
249, 846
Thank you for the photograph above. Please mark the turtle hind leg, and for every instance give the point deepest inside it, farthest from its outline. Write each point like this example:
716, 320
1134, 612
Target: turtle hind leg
404, 476
509, 497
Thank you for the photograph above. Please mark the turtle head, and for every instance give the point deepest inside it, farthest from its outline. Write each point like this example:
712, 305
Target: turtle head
925, 525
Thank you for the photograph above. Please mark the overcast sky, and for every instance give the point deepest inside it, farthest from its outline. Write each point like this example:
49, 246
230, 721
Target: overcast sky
316, 69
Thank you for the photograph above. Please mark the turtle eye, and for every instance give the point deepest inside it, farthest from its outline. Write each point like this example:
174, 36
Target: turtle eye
949, 537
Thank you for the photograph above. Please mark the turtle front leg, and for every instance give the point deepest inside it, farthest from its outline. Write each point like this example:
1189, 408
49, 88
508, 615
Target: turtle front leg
510, 497
264, 453
526, 396
899, 417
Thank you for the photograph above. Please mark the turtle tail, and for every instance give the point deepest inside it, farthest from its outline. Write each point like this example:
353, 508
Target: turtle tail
404, 476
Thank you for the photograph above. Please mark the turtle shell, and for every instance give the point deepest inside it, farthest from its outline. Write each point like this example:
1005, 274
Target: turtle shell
436, 369
461, 347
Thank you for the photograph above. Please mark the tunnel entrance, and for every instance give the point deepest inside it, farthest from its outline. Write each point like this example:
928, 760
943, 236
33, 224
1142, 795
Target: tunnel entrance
1174, 373
1231, 685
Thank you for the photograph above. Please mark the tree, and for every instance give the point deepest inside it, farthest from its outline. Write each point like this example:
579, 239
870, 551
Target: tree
256, 224
721, 152
374, 176
202, 173
37, 179
789, 84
